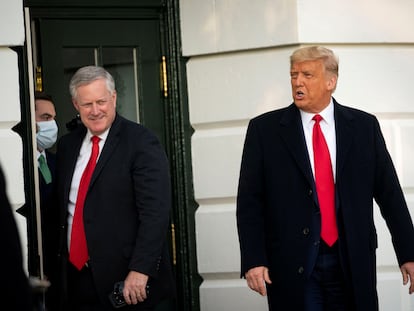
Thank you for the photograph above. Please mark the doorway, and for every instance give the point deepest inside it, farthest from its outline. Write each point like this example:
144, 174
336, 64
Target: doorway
138, 42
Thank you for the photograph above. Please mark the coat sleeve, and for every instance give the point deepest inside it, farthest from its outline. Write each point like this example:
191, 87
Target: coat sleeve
390, 198
151, 183
250, 203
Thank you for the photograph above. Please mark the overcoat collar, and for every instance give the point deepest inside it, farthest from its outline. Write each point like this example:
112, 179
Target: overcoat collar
292, 134
344, 124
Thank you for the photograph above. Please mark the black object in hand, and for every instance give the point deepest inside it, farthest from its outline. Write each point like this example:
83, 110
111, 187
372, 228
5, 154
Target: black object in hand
117, 297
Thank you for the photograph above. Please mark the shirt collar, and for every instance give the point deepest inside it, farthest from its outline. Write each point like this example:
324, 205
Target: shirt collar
41, 153
102, 136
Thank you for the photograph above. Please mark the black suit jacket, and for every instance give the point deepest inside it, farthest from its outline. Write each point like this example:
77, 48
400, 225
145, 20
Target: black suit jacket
45, 190
49, 212
278, 215
126, 211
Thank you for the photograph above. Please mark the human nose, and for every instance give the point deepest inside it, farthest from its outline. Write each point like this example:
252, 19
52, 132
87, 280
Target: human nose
298, 81
94, 109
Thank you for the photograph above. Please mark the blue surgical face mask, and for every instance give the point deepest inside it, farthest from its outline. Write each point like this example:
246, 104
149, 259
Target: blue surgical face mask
47, 134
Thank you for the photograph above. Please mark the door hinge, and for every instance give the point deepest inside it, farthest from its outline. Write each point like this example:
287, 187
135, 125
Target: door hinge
164, 80
174, 248
39, 79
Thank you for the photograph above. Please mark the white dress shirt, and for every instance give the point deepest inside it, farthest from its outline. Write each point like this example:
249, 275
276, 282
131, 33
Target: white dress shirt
83, 158
328, 128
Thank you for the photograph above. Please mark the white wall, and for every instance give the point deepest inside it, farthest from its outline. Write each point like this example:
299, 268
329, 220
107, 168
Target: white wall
239, 67
11, 155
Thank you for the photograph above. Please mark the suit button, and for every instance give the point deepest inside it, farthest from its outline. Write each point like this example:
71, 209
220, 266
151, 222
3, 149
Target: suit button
301, 270
310, 192
305, 231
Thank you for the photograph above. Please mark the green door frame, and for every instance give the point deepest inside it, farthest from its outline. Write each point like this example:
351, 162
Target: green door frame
177, 123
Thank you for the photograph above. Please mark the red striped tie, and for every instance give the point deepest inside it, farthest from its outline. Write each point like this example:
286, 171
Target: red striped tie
78, 254
325, 187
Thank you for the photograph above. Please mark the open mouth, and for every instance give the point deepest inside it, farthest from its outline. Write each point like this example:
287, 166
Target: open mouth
299, 94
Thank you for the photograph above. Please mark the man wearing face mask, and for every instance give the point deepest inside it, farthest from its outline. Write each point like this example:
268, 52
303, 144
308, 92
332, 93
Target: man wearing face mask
46, 135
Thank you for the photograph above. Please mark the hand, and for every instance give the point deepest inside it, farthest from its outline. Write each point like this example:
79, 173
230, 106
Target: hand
135, 287
256, 278
407, 271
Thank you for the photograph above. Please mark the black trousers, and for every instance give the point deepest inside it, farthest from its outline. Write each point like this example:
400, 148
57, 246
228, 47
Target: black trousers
326, 289
82, 293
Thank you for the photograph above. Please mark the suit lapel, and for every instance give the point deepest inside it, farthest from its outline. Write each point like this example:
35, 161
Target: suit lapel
292, 134
110, 146
344, 136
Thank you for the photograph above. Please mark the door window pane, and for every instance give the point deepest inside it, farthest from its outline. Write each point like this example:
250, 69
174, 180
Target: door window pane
122, 64
74, 58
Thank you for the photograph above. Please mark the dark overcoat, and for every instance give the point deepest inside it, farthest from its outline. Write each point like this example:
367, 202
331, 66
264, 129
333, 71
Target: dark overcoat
277, 210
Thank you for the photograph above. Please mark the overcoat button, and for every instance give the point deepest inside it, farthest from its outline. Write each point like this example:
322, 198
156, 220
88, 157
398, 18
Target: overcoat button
306, 231
310, 192
301, 270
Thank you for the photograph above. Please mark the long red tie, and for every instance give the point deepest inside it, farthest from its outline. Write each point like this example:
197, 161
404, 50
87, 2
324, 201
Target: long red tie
325, 187
78, 254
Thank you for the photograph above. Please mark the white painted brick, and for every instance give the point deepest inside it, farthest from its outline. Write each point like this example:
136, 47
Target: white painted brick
210, 26
216, 156
216, 226
375, 78
229, 295
11, 23
355, 21
11, 160
238, 87
392, 295
406, 132
9, 86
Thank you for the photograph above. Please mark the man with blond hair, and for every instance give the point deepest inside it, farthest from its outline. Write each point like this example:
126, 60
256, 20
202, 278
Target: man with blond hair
308, 178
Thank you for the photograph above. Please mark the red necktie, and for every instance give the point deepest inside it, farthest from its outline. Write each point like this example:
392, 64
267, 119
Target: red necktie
78, 254
325, 187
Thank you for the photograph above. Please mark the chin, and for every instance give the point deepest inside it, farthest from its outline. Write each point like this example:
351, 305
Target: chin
96, 130
300, 104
